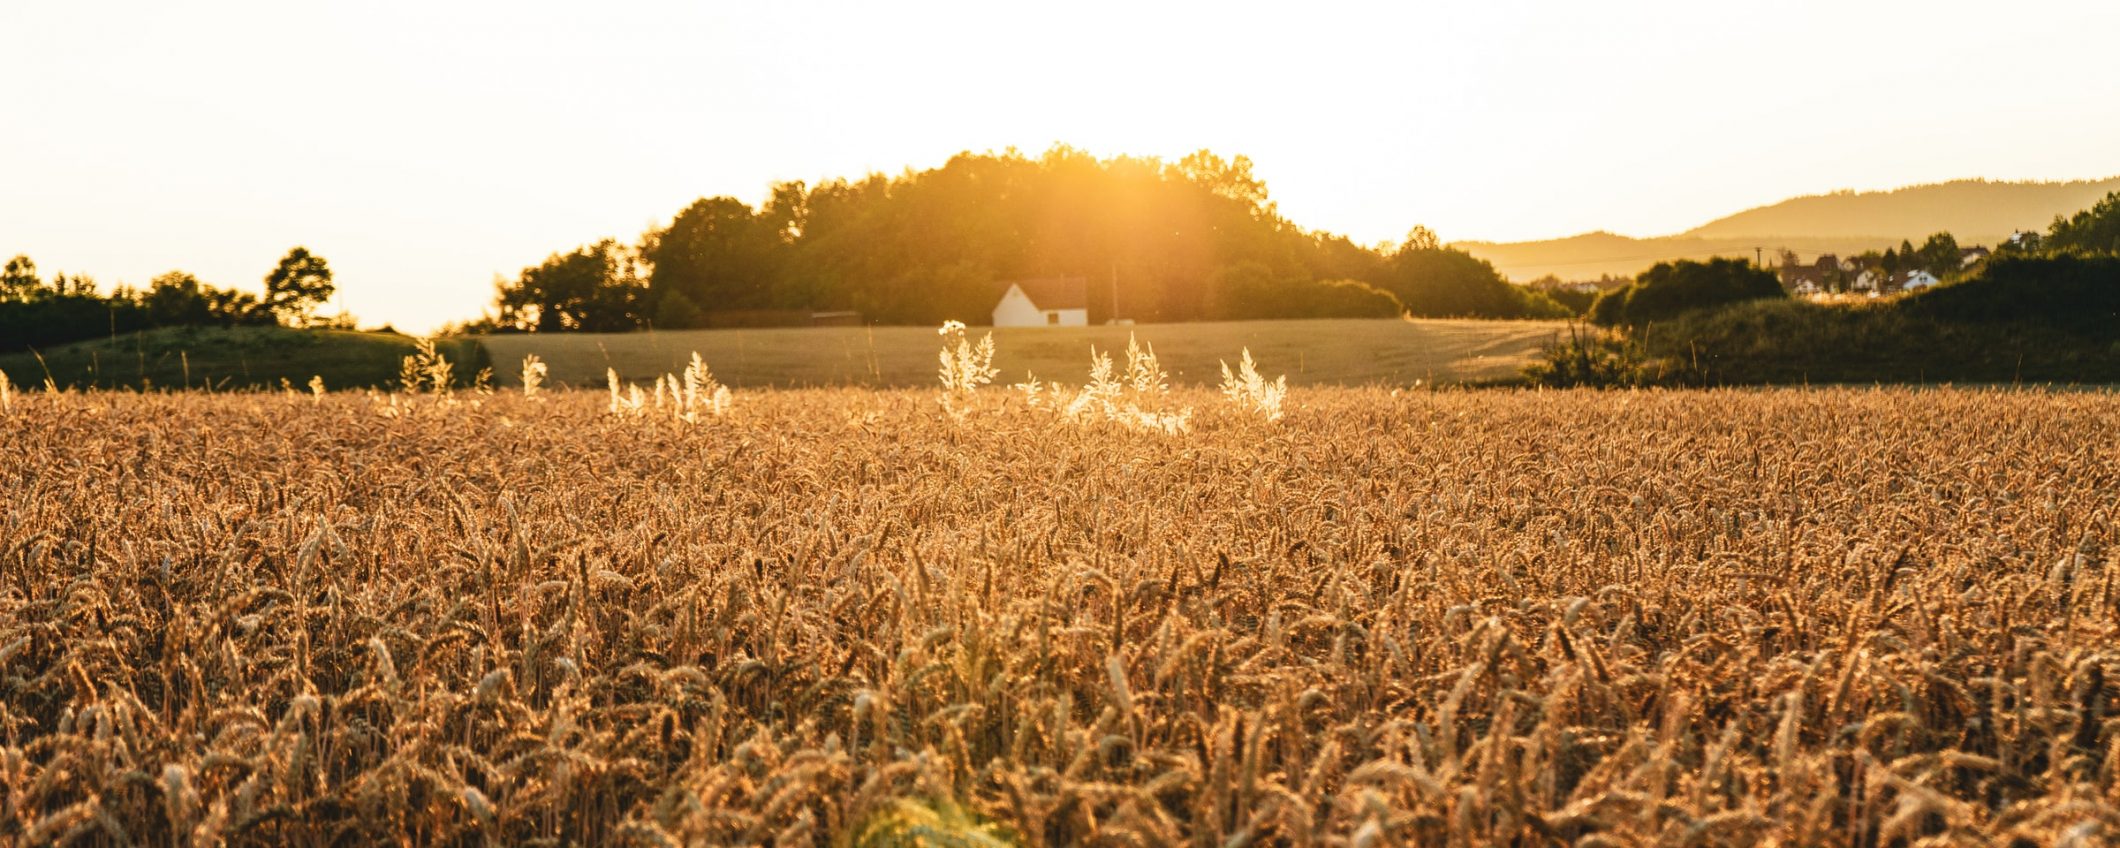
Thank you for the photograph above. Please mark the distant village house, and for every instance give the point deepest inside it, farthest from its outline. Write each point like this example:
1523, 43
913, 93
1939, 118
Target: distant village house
1049, 302
1865, 274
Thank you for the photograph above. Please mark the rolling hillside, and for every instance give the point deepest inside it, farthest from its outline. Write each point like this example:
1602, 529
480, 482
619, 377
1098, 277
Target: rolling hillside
1976, 211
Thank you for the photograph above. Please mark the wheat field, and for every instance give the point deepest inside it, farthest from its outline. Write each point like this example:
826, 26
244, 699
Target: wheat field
856, 617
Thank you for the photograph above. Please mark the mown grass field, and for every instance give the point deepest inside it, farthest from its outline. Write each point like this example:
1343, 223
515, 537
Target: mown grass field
1831, 617
1345, 352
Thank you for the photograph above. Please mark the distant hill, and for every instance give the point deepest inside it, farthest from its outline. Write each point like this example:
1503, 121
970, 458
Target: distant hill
1975, 211
1972, 210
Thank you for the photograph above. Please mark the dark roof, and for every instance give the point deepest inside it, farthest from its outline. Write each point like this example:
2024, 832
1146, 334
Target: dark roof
1054, 292
1802, 273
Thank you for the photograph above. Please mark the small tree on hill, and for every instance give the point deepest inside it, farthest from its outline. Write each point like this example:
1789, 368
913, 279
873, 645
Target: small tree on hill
19, 280
300, 284
1940, 255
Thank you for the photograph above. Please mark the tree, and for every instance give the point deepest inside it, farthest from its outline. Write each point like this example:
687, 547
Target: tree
72, 285
1436, 281
176, 299
1671, 288
1193, 239
300, 284
229, 307
1421, 238
1610, 307
1231, 178
718, 254
1940, 255
1576, 300
19, 280
596, 289
2092, 231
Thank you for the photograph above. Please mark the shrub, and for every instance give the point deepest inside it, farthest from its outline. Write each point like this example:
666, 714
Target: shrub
1249, 291
2075, 293
1672, 288
1595, 360
1347, 299
66, 318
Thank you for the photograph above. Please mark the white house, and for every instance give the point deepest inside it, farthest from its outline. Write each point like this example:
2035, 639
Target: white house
1918, 280
1050, 302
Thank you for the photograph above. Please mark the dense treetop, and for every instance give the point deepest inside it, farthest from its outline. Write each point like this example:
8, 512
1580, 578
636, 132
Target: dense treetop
1195, 239
1671, 288
2092, 231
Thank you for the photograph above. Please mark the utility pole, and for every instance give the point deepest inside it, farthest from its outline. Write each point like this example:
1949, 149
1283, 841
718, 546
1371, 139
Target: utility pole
1759, 257
1115, 295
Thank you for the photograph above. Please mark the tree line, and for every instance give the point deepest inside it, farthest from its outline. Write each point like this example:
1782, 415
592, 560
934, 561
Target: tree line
2064, 277
1196, 239
35, 312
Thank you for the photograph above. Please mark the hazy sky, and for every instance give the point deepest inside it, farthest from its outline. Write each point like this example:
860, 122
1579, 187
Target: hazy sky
423, 147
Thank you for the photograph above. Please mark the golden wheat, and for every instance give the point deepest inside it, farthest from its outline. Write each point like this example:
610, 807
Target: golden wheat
1248, 389
1688, 618
964, 367
533, 379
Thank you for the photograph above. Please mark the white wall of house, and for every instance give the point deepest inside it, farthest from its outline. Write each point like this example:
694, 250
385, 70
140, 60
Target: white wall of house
1016, 310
